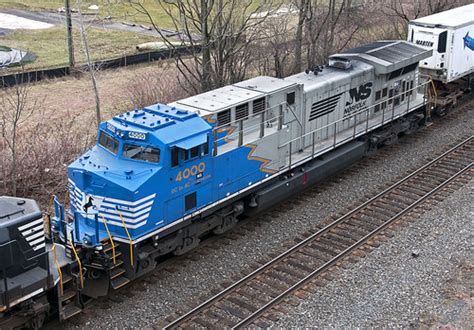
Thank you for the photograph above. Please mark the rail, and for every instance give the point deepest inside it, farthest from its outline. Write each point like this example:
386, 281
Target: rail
129, 238
81, 277
61, 284
110, 238
309, 277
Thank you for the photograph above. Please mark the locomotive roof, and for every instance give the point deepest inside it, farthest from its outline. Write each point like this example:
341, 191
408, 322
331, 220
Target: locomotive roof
232, 95
169, 124
218, 99
456, 17
330, 76
265, 84
15, 210
387, 56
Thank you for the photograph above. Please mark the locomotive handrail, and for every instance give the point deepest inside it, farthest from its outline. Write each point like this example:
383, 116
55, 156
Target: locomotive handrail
81, 278
61, 286
129, 237
50, 205
352, 115
249, 128
110, 237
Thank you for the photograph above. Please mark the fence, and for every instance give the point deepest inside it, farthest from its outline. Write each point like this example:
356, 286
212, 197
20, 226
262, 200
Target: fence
123, 61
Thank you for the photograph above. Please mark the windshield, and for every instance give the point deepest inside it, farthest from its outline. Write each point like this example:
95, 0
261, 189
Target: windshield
108, 142
137, 152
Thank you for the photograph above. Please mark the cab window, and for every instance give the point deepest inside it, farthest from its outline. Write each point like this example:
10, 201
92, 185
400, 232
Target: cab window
181, 155
108, 142
136, 152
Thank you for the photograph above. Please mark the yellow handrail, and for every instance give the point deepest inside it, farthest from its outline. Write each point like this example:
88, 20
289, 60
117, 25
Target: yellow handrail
110, 237
129, 238
59, 270
78, 262
50, 205
434, 87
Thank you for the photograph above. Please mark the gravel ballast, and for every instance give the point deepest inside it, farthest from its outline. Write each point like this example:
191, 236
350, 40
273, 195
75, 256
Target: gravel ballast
175, 291
419, 278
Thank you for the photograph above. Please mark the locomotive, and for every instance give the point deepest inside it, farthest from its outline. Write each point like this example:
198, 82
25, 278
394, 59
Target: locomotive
161, 178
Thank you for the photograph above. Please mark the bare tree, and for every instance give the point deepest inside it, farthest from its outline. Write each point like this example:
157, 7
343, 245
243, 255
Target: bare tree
278, 46
89, 63
17, 107
303, 8
219, 34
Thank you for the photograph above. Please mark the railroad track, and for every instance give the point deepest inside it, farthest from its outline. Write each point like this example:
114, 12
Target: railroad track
247, 301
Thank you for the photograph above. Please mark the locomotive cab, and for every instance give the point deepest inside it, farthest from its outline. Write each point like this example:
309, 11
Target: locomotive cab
148, 155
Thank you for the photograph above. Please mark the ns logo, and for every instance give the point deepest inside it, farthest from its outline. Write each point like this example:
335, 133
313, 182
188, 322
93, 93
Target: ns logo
359, 94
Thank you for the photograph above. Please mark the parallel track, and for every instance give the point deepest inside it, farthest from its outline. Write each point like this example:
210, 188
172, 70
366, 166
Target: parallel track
247, 300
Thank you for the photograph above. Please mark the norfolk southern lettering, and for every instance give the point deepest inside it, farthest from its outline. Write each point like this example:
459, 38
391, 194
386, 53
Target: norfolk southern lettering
358, 99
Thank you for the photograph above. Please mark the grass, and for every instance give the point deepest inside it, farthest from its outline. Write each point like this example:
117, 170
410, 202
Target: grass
120, 10
50, 45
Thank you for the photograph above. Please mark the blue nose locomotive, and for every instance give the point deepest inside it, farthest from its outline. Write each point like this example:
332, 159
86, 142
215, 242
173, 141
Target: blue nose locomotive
161, 177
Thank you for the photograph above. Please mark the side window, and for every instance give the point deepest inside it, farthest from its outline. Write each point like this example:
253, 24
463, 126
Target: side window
290, 98
174, 157
384, 92
190, 201
108, 142
184, 155
194, 152
442, 41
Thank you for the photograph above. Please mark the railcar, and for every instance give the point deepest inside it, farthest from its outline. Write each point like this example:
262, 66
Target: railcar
162, 177
450, 35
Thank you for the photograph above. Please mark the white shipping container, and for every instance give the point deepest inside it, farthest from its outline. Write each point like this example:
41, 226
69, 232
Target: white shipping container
450, 34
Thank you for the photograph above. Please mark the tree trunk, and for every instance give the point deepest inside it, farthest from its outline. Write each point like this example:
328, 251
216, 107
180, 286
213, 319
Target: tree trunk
206, 47
303, 6
90, 65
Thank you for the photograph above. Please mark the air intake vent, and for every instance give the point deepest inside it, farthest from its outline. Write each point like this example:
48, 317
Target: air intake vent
324, 107
340, 62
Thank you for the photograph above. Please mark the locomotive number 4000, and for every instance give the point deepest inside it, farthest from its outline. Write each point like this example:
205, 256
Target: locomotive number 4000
192, 171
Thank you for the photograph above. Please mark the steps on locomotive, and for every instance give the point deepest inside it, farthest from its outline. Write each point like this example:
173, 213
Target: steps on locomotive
69, 302
117, 271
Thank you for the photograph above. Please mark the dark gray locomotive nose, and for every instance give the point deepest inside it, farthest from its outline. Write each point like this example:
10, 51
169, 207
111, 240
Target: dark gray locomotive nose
23, 258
